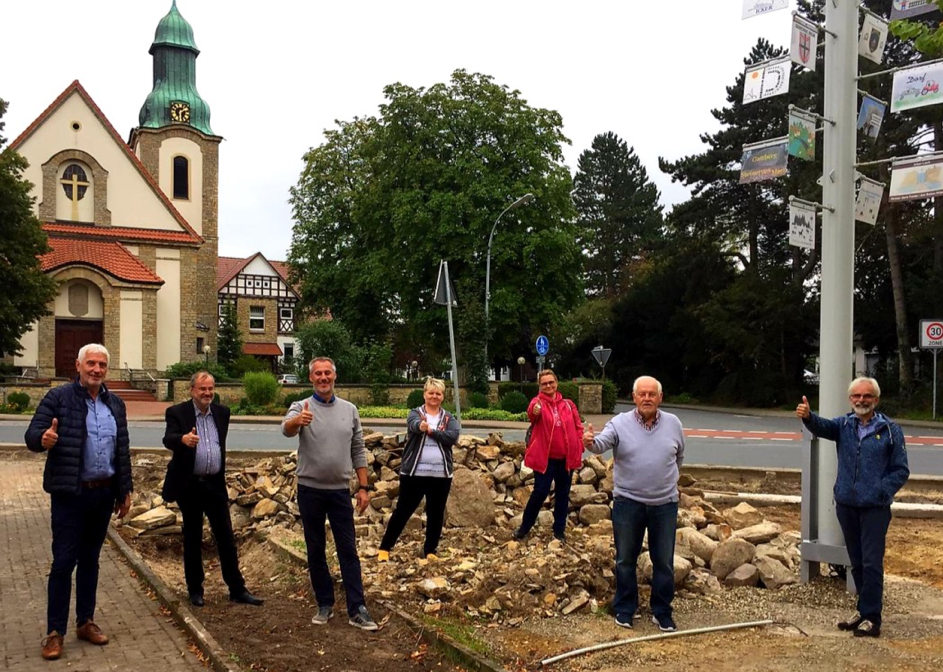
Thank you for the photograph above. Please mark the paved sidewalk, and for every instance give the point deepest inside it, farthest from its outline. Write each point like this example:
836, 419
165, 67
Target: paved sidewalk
141, 637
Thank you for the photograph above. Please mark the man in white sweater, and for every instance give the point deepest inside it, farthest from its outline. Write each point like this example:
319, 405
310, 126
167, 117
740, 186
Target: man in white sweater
330, 448
648, 447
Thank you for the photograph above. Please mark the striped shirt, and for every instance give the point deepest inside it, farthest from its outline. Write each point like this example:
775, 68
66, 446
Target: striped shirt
208, 459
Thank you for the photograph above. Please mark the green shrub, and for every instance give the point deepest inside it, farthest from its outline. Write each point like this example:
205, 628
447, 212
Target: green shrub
187, 369
569, 390
529, 390
478, 400
295, 396
379, 394
514, 402
248, 364
415, 399
261, 388
609, 394
216, 397
18, 400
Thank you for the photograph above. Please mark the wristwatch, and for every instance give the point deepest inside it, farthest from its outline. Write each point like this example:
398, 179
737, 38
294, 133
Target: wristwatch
366, 488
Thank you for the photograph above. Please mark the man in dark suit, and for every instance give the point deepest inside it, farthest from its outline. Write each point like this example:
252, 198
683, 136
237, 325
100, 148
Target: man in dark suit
196, 480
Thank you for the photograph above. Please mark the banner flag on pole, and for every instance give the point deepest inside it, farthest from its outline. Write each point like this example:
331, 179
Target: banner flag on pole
763, 162
753, 8
444, 292
766, 80
801, 135
805, 38
905, 9
871, 115
917, 87
868, 201
802, 224
916, 178
873, 38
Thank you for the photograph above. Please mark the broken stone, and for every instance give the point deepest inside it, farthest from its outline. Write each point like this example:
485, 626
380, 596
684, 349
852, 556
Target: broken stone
153, 519
742, 515
264, 509
729, 555
773, 573
593, 513
744, 575
758, 534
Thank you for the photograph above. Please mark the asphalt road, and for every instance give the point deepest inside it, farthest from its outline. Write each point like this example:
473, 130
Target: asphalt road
728, 439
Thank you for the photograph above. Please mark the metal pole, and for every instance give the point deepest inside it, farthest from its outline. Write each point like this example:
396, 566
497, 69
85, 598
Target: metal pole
448, 296
936, 352
838, 249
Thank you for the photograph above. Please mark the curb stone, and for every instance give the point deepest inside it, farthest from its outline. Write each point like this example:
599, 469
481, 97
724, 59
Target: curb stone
218, 657
432, 637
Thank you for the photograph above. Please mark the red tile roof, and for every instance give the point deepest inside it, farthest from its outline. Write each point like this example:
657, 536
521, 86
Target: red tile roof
121, 233
76, 87
228, 268
108, 257
262, 349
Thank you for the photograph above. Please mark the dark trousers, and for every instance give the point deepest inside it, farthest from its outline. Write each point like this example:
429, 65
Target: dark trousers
558, 474
204, 496
629, 522
411, 491
865, 532
79, 526
315, 505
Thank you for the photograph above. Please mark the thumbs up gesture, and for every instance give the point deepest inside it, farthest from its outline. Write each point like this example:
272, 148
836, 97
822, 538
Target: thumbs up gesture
537, 408
51, 435
192, 439
803, 410
589, 436
306, 416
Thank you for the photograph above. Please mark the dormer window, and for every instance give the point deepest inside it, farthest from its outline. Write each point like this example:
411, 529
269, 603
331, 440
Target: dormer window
181, 186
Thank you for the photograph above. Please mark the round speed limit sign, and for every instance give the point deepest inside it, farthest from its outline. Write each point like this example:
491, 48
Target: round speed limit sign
931, 334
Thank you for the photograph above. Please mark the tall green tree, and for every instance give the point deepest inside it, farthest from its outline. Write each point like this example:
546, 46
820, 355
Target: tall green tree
618, 213
385, 198
229, 341
27, 291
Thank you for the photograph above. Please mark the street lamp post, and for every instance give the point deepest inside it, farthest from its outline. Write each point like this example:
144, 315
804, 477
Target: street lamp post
523, 200
520, 364
415, 367
206, 355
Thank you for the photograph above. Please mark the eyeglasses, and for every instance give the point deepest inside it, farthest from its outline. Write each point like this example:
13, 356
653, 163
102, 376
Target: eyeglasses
548, 383
861, 396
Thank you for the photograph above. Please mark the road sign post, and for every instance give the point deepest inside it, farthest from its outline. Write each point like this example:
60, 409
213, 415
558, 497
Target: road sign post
931, 338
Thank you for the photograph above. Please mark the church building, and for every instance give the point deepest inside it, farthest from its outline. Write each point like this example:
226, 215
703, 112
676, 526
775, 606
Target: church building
132, 224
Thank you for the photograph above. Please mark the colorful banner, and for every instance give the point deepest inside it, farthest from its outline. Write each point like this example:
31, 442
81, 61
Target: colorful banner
802, 224
753, 8
801, 135
766, 80
764, 162
805, 37
873, 38
916, 178
868, 201
871, 115
917, 87
906, 9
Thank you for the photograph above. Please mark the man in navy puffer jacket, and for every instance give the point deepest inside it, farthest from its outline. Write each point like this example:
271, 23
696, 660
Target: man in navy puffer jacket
872, 467
83, 428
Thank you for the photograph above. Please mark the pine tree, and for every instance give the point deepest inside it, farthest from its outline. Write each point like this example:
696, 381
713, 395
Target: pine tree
230, 338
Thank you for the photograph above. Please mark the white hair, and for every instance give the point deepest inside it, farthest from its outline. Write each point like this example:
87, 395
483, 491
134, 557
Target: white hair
875, 388
640, 378
86, 350
321, 359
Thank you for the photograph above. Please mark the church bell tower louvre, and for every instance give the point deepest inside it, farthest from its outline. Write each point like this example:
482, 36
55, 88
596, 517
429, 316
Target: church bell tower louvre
176, 144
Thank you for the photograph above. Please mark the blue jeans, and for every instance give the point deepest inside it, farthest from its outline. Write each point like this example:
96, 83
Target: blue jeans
79, 526
556, 473
316, 504
865, 532
629, 521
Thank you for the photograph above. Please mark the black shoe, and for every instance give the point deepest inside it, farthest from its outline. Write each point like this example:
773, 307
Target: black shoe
245, 597
196, 600
850, 623
868, 629
519, 535
559, 536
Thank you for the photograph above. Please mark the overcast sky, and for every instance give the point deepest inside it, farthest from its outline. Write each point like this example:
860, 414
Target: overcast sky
277, 73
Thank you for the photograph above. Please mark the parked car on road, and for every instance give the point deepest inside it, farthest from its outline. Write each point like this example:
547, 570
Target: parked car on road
288, 379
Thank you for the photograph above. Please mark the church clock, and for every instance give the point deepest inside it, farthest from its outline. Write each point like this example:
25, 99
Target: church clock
180, 113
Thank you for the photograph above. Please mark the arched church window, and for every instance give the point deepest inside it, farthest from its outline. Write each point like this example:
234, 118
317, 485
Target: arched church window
74, 182
181, 185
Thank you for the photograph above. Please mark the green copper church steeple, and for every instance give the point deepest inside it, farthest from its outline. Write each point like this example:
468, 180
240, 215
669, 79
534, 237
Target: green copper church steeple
174, 99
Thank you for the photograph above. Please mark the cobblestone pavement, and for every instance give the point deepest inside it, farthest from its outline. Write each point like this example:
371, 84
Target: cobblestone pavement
141, 637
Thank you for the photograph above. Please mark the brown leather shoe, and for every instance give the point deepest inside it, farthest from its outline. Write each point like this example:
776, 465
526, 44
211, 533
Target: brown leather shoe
52, 646
92, 633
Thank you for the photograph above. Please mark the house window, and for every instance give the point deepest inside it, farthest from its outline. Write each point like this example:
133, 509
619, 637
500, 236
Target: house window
289, 349
286, 313
181, 178
257, 318
265, 284
199, 345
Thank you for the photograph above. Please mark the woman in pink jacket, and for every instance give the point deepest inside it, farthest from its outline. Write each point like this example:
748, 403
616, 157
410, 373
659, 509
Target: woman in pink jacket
554, 452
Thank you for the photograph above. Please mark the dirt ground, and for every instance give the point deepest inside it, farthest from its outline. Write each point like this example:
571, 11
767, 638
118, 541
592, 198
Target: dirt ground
279, 636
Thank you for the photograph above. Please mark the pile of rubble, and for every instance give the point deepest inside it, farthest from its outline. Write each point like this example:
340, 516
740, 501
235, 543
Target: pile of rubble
482, 570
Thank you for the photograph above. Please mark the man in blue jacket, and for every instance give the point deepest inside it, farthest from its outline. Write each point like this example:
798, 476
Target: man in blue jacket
83, 428
872, 467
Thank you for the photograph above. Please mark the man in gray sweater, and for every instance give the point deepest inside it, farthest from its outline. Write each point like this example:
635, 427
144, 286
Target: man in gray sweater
648, 447
330, 448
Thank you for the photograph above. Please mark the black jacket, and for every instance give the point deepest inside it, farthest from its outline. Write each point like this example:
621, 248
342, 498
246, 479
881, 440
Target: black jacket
67, 403
445, 435
181, 419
